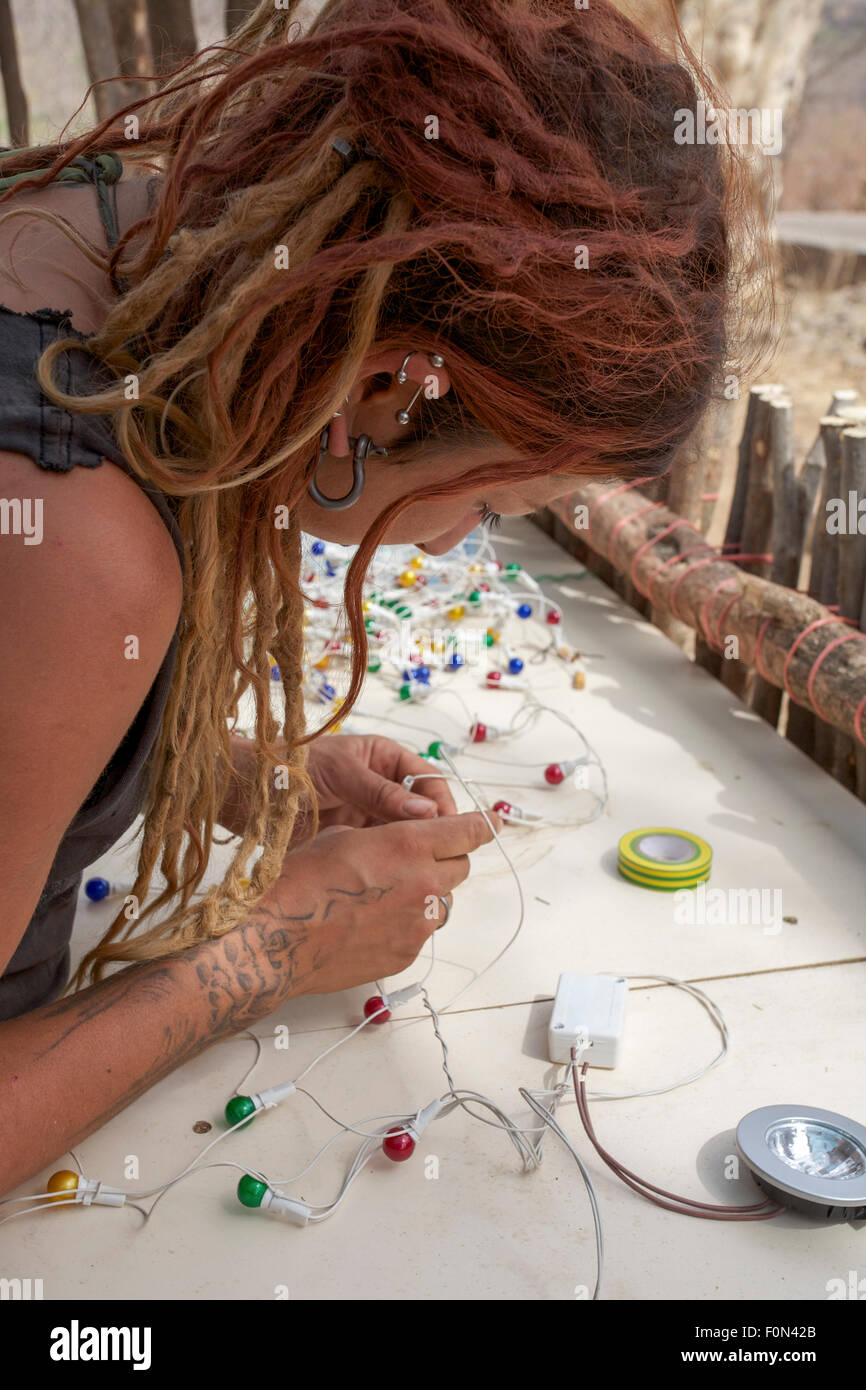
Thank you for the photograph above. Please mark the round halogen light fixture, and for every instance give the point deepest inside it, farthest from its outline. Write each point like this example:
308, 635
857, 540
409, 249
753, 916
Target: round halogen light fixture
809, 1159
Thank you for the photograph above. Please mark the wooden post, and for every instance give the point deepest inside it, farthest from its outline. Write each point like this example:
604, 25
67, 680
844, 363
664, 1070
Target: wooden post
825, 556
849, 757
787, 539
800, 725
750, 525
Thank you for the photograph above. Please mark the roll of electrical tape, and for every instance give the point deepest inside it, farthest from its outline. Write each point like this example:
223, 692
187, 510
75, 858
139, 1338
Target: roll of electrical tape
664, 859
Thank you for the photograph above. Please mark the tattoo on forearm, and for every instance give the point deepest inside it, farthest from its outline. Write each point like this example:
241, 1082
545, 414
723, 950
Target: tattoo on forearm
244, 975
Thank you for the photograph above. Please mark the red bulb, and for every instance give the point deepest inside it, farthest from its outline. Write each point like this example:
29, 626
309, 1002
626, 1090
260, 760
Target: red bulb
485, 588
373, 1005
398, 1145
479, 733
554, 774
494, 677
553, 617
321, 603
502, 807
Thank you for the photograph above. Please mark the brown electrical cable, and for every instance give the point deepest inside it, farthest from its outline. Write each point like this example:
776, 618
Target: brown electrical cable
688, 1205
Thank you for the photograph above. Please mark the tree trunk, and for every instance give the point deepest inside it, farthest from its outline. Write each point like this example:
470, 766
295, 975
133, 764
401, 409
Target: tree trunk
100, 54
721, 601
13, 88
172, 33
129, 23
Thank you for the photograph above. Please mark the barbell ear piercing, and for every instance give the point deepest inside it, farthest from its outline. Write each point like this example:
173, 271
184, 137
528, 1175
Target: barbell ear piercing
402, 376
403, 416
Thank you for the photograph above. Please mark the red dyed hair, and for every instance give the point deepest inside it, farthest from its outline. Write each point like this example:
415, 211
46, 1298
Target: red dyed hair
552, 129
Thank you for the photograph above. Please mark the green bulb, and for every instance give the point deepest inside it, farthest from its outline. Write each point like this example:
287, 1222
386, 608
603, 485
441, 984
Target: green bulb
405, 692
251, 1191
402, 611
475, 596
435, 748
489, 639
238, 1108
369, 624
374, 665
512, 569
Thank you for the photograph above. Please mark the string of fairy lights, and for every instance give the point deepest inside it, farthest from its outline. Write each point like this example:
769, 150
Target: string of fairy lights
445, 633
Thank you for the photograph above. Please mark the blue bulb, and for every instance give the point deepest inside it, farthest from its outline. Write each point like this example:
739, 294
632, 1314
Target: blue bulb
524, 611
455, 660
328, 690
515, 665
96, 889
329, 569
422, 674
407, 675
318, 547
275, 673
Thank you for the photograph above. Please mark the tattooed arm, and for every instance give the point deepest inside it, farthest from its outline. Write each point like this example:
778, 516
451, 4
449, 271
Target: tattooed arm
352, 907
70, 1066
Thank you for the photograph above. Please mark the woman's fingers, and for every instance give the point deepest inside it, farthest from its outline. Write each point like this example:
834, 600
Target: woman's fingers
396, 762
453, 836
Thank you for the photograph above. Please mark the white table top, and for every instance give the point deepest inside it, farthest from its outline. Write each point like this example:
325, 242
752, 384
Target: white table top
679, 750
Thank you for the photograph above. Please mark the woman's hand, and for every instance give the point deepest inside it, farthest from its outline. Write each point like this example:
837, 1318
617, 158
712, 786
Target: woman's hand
359, 782
358, 905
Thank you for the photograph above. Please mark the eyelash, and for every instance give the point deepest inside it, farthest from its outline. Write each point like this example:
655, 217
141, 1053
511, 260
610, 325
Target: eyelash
489, 518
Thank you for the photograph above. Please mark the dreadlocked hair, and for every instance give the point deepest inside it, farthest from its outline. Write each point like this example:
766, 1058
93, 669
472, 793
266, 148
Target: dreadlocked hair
497, 141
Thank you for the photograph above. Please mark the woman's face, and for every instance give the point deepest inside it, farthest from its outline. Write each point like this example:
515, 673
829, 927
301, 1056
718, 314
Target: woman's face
433, 526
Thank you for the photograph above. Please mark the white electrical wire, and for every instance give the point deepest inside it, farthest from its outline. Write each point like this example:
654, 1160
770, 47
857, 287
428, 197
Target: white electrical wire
527, 1142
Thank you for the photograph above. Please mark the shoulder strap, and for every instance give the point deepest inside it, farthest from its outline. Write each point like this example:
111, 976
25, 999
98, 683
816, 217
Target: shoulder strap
101, 170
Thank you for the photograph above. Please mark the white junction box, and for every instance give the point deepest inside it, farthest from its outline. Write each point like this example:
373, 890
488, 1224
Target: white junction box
591, 1004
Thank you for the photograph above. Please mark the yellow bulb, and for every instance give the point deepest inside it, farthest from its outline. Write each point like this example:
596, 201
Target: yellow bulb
417, 563
339, 702
323, 664
579, 680
437, 645
492, 633
61, 1184
456, 613
407, 578
366, 606
476, 569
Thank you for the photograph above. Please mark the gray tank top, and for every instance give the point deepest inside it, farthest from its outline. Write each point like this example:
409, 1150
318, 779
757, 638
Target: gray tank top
60, 440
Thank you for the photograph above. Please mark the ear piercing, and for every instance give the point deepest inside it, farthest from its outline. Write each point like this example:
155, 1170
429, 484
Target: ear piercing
363, 445
402, 376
